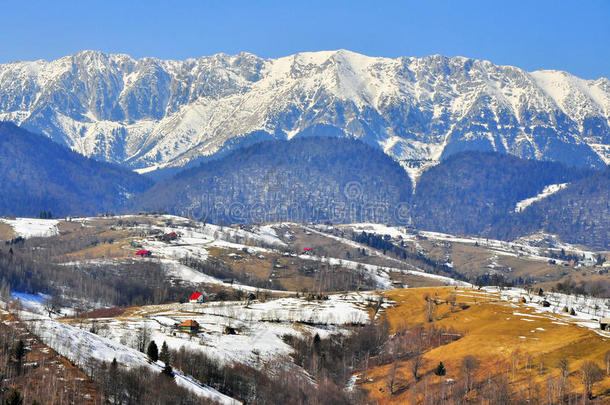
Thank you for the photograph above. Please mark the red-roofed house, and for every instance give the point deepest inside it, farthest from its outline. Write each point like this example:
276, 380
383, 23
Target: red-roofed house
189, 326
143, 253
196, 297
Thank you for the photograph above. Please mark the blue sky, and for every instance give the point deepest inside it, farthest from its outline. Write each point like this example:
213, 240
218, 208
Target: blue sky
534, 34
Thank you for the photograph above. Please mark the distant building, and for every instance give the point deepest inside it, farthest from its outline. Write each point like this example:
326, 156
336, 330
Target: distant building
143, 253
189, 326
196, 298
604, 324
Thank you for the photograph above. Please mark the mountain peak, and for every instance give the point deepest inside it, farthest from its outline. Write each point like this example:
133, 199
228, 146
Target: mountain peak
153, 112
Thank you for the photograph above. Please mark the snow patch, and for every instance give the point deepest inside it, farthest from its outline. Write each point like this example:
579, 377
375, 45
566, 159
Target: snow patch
33, 227
547, 191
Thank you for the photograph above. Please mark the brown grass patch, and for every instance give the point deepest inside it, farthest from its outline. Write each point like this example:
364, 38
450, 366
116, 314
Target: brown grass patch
6, 232
115, 250
491, 333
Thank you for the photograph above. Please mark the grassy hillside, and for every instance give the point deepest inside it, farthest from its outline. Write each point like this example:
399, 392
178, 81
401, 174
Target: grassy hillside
517, 349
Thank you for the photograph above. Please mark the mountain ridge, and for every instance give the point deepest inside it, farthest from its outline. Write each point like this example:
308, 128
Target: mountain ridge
149, 113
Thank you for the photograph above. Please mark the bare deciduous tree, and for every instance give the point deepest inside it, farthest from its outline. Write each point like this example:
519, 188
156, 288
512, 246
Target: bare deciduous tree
392, 377
563, 366
429, 308
452, 300
469, 364
416, 363
142, 338
514, 361
590, 373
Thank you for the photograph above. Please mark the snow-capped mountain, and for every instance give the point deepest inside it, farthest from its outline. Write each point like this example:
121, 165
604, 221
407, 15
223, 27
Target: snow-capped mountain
151, 113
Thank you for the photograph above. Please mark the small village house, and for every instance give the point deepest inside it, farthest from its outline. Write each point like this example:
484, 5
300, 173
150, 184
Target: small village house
143, 253
168, 237
189, 326
196, 298
604, 324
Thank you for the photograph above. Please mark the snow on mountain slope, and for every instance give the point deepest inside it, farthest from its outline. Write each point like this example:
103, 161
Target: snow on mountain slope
156, 113
547, 191
573, 95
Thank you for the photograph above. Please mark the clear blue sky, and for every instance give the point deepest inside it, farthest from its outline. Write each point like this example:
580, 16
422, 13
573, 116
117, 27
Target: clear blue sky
532, 34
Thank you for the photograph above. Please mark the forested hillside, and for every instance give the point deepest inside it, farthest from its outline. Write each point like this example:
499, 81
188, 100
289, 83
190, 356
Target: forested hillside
315, 179
308, 179
476, 192
319, 179
578, 214
37, 174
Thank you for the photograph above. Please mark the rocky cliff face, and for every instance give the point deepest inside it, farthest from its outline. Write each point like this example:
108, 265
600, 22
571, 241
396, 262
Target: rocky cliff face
151, 113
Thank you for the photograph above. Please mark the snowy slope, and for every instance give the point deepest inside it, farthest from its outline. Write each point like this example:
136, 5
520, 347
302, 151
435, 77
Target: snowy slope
81, 346
259, 326
151, 113
32, 227
547, 191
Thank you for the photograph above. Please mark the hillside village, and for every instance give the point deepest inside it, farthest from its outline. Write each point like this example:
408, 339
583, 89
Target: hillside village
248, 298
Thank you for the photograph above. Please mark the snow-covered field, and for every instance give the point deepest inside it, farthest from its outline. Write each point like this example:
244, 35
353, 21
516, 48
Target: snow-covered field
81, 346
196, 239
254, 332
259, 326
32, 227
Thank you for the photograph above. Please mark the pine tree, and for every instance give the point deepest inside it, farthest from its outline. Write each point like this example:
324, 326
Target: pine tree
113, 379
114, 366
19, 352
14, 398
164, 354
152, 351
316, 344
440, 369
168, 371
